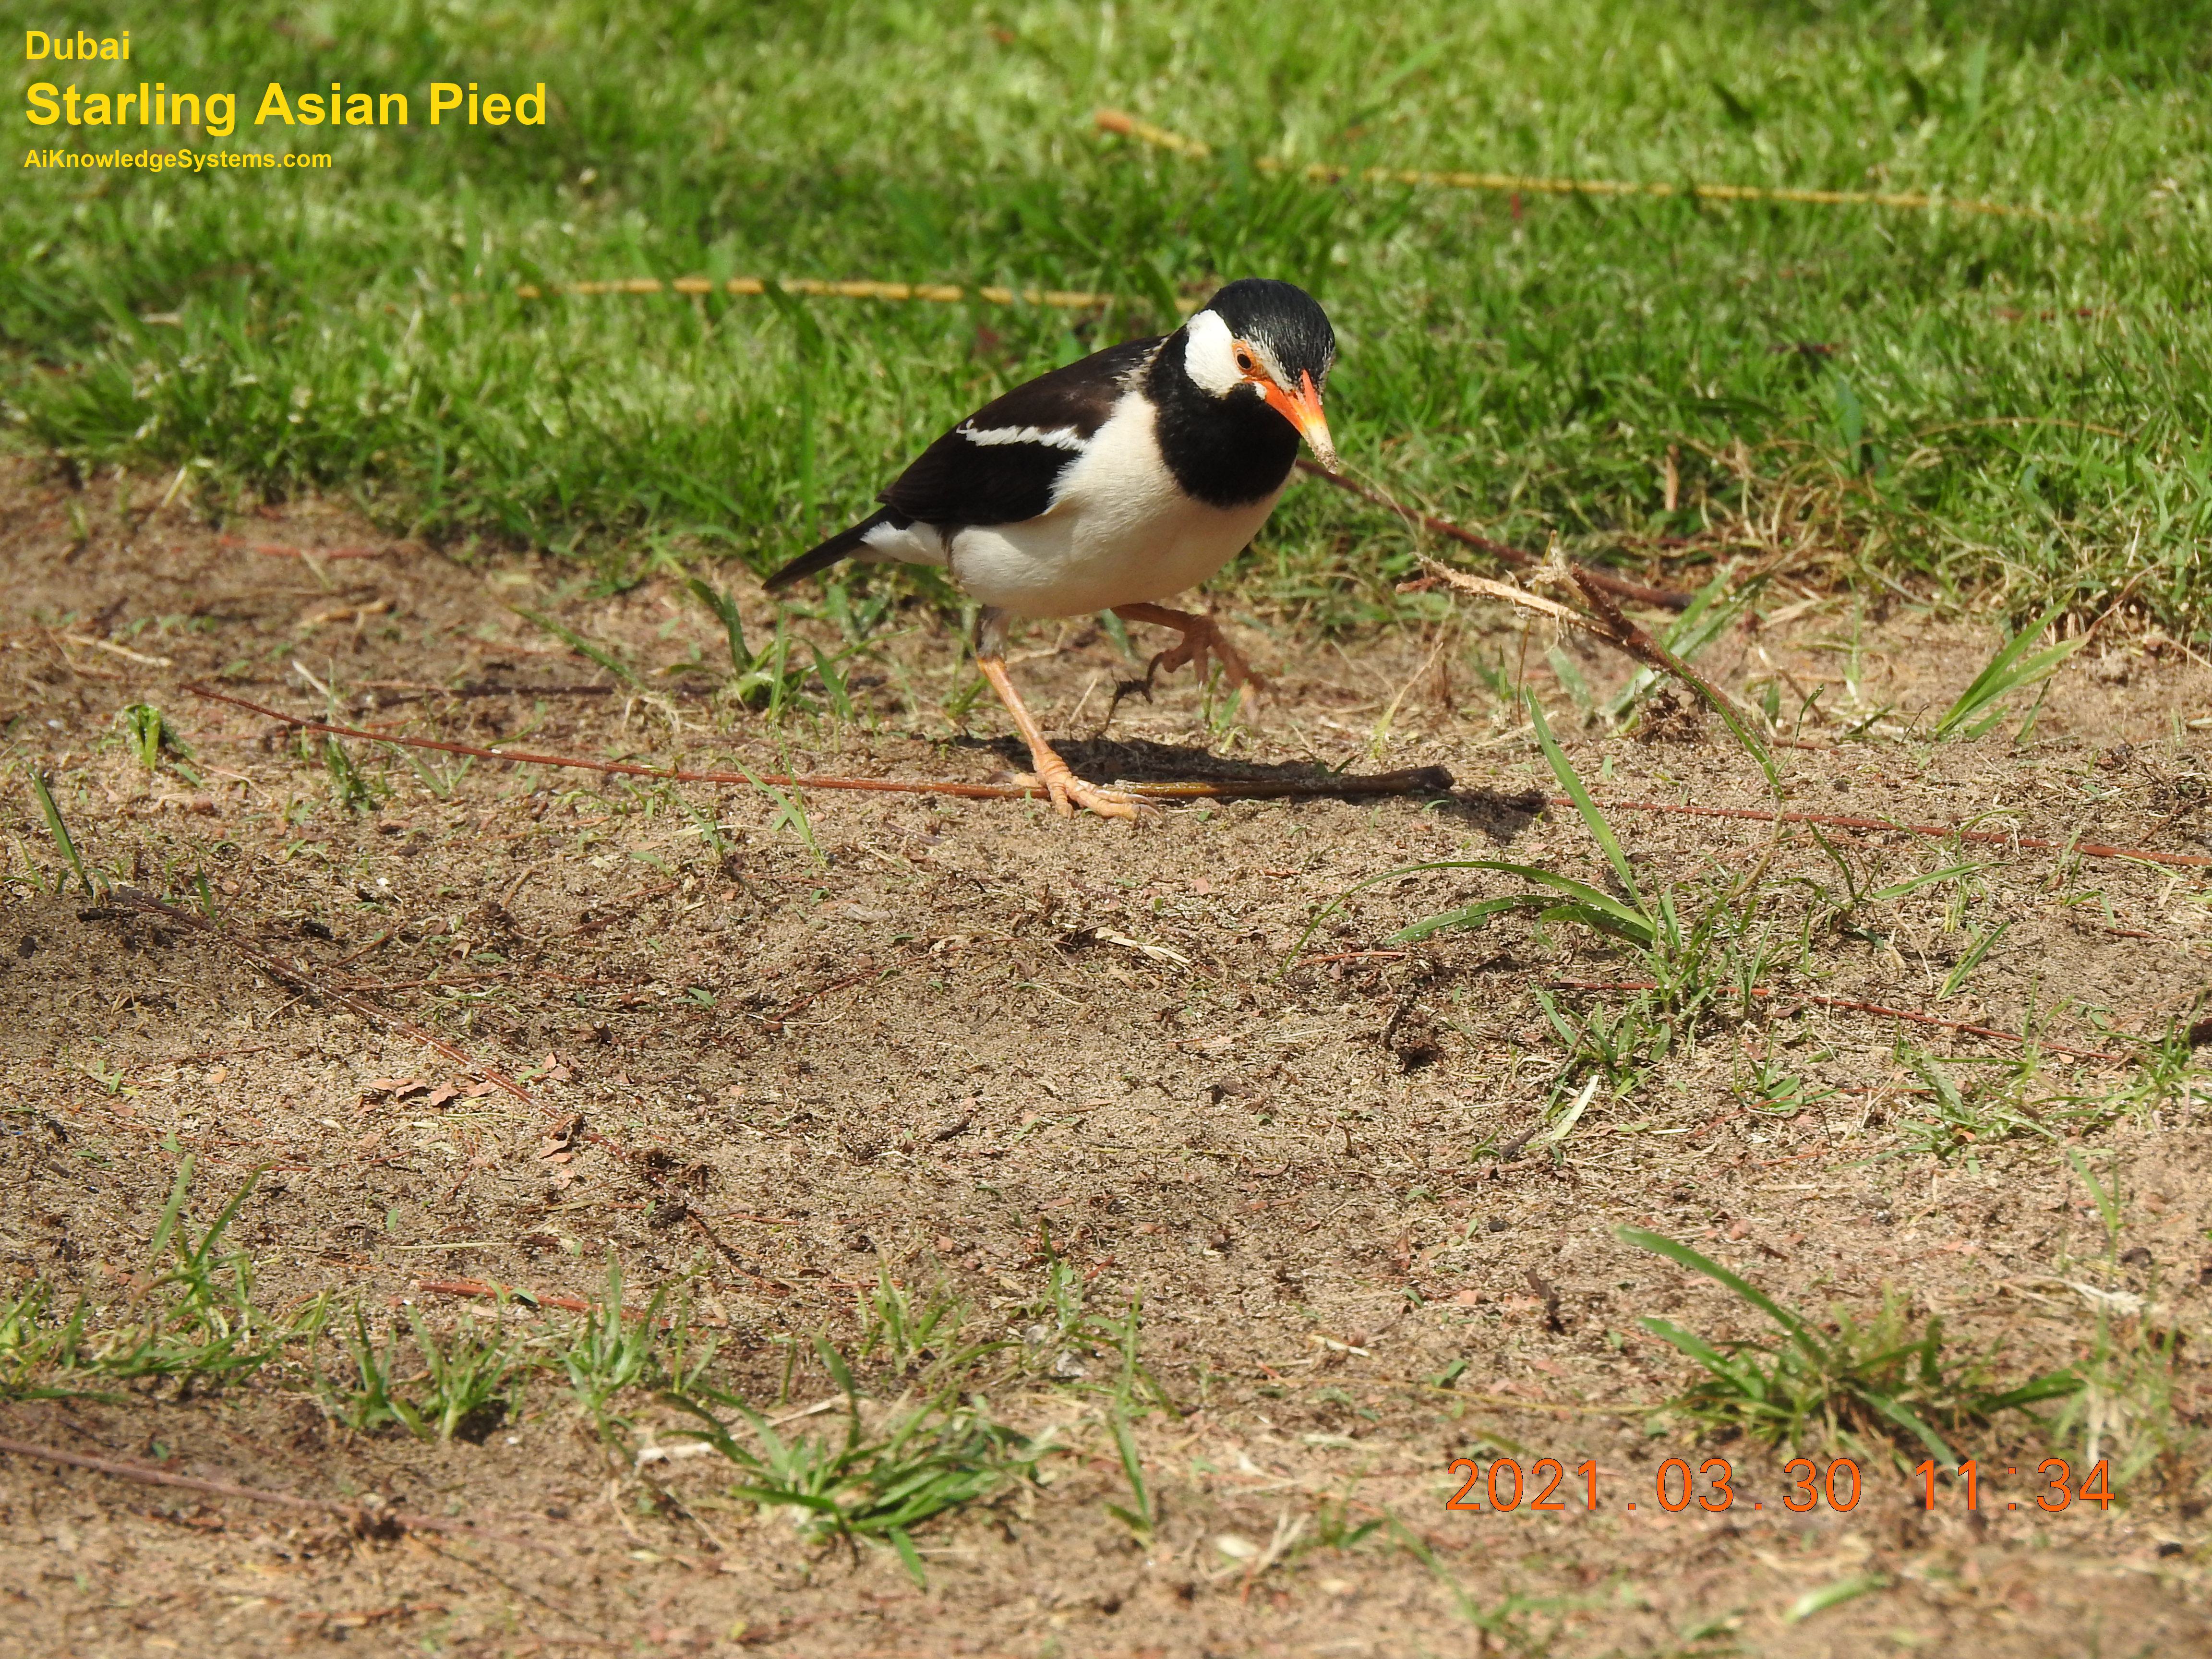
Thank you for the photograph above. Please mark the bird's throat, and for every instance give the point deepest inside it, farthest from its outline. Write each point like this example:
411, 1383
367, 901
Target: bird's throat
1224, 450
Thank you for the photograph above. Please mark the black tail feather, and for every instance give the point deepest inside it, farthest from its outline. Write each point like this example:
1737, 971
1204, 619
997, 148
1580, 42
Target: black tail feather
839, 546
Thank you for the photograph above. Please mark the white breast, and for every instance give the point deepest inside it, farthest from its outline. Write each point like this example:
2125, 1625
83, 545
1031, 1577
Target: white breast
1119, 532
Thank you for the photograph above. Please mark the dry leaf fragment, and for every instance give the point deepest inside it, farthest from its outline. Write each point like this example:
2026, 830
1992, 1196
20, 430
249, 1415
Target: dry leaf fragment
1157, 952
561, 1144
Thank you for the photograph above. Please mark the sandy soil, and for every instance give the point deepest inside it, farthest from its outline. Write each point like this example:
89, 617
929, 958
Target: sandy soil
952, 1043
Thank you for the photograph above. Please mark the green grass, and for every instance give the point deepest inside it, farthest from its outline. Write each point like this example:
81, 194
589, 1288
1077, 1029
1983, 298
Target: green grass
467, 1383
57, 827
190, 1320
1886, 1379
154, 740
1526, 369
917, 1436
1698, 943
877, 1475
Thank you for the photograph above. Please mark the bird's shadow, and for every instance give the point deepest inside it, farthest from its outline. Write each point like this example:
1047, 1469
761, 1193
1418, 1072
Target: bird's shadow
1501, 817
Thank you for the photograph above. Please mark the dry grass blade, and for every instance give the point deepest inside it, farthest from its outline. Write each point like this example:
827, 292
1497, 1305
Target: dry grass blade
1667, 598
575, 641
1332, 173
1624, 633
1567, 615
1614, 626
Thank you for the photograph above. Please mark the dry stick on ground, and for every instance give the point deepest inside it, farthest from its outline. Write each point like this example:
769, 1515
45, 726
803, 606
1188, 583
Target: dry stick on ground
485, 1290
1419, 781
815, 288
1613, 626
1666, 597
2094, 849
394, 691
376, 944
1886, 1013
131, 898
1516, 184
1617, 630
285, 550
730, 1256
1629, 636
690, 1214
362, 1515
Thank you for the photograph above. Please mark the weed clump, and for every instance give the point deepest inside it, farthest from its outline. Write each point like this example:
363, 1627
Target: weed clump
1860, 1381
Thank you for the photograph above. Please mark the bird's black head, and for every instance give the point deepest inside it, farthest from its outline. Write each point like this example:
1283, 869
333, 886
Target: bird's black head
1273, 339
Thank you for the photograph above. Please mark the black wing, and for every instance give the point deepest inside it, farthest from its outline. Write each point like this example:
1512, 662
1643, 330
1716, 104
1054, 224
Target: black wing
1000, 464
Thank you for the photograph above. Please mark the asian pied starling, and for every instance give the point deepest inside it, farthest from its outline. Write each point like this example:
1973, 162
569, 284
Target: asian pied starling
1111, 484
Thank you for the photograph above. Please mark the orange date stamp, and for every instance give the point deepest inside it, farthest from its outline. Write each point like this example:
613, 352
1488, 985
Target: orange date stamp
1549, 1487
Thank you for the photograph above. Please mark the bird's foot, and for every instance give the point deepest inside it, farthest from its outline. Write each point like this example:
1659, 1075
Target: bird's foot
1069, 791
1203, 642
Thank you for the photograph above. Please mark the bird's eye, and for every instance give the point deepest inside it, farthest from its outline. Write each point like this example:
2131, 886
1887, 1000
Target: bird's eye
1244, 362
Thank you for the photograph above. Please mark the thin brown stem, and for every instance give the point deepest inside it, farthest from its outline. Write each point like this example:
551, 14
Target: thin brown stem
1948, 832
1667, 598
1418, 780
1886, 1013
131, 898
360, 1515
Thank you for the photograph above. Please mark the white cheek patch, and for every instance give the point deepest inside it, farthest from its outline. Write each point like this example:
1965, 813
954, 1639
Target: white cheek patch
1058, 437
1272, 365
1209, 356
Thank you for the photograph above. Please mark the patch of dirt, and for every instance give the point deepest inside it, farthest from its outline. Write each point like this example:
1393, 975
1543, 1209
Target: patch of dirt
953, 1042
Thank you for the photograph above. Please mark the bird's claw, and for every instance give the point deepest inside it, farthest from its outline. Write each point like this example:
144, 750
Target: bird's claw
1201, 643
1069, 791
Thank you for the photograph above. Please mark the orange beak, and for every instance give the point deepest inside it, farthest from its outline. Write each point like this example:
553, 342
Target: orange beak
1302, 409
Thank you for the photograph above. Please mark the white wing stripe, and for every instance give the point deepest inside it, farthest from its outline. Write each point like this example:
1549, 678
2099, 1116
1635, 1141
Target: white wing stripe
1058, 437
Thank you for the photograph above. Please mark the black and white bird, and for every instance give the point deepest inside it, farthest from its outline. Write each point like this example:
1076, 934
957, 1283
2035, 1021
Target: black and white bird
1111, 484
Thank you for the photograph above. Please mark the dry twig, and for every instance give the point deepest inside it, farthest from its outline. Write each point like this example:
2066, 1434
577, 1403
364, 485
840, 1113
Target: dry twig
1886, 1013
2093, 850
1332, 173
364, 1516
131, 898
1419, 781
1667, 598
